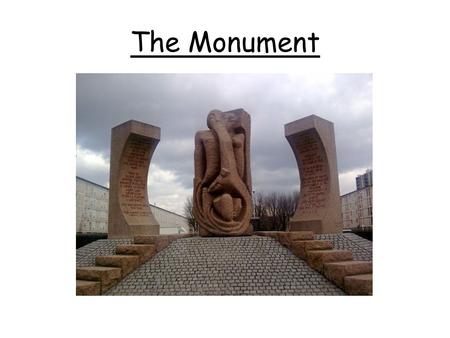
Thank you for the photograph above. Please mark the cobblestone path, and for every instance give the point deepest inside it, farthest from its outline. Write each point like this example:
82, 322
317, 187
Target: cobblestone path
225, 266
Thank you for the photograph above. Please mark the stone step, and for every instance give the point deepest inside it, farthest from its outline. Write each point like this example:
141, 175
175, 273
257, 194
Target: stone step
337, 271
160, 241
301, 235
300, 248
108, 277
178, 236
286, 238
88, 288
152, 239
146, 239
144, 251
358, 284
127, 263
317, 258
272, 234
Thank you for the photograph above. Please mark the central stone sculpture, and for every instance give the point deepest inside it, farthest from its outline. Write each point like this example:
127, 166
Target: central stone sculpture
222, 182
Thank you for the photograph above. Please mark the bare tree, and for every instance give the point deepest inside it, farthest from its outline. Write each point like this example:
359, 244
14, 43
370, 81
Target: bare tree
275, 209
188, 205
260, 212
285, 208
258, 206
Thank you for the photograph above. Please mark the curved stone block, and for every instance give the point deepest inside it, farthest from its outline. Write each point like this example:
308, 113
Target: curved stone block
132, 146
319, 206
222, 182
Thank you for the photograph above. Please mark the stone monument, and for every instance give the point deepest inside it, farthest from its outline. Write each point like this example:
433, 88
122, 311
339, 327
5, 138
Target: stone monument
222, 182
319, 205
132, 147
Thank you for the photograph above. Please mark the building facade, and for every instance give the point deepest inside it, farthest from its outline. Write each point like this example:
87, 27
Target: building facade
364, 180
92, 207
357, 208
92, 211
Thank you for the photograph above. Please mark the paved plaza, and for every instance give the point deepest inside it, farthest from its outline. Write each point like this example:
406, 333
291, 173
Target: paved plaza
251, 265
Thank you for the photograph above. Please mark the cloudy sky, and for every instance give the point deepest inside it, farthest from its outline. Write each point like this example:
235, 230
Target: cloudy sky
179, 104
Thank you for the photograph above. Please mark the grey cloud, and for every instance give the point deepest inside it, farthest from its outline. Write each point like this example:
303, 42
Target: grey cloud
179, 103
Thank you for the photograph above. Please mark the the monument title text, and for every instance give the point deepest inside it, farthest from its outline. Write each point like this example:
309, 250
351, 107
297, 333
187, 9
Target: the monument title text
202, 44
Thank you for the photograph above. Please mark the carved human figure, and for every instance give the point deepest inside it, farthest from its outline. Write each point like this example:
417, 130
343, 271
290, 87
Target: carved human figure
222, 182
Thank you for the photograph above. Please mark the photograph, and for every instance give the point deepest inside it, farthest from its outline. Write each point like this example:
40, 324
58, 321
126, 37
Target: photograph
224, 184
